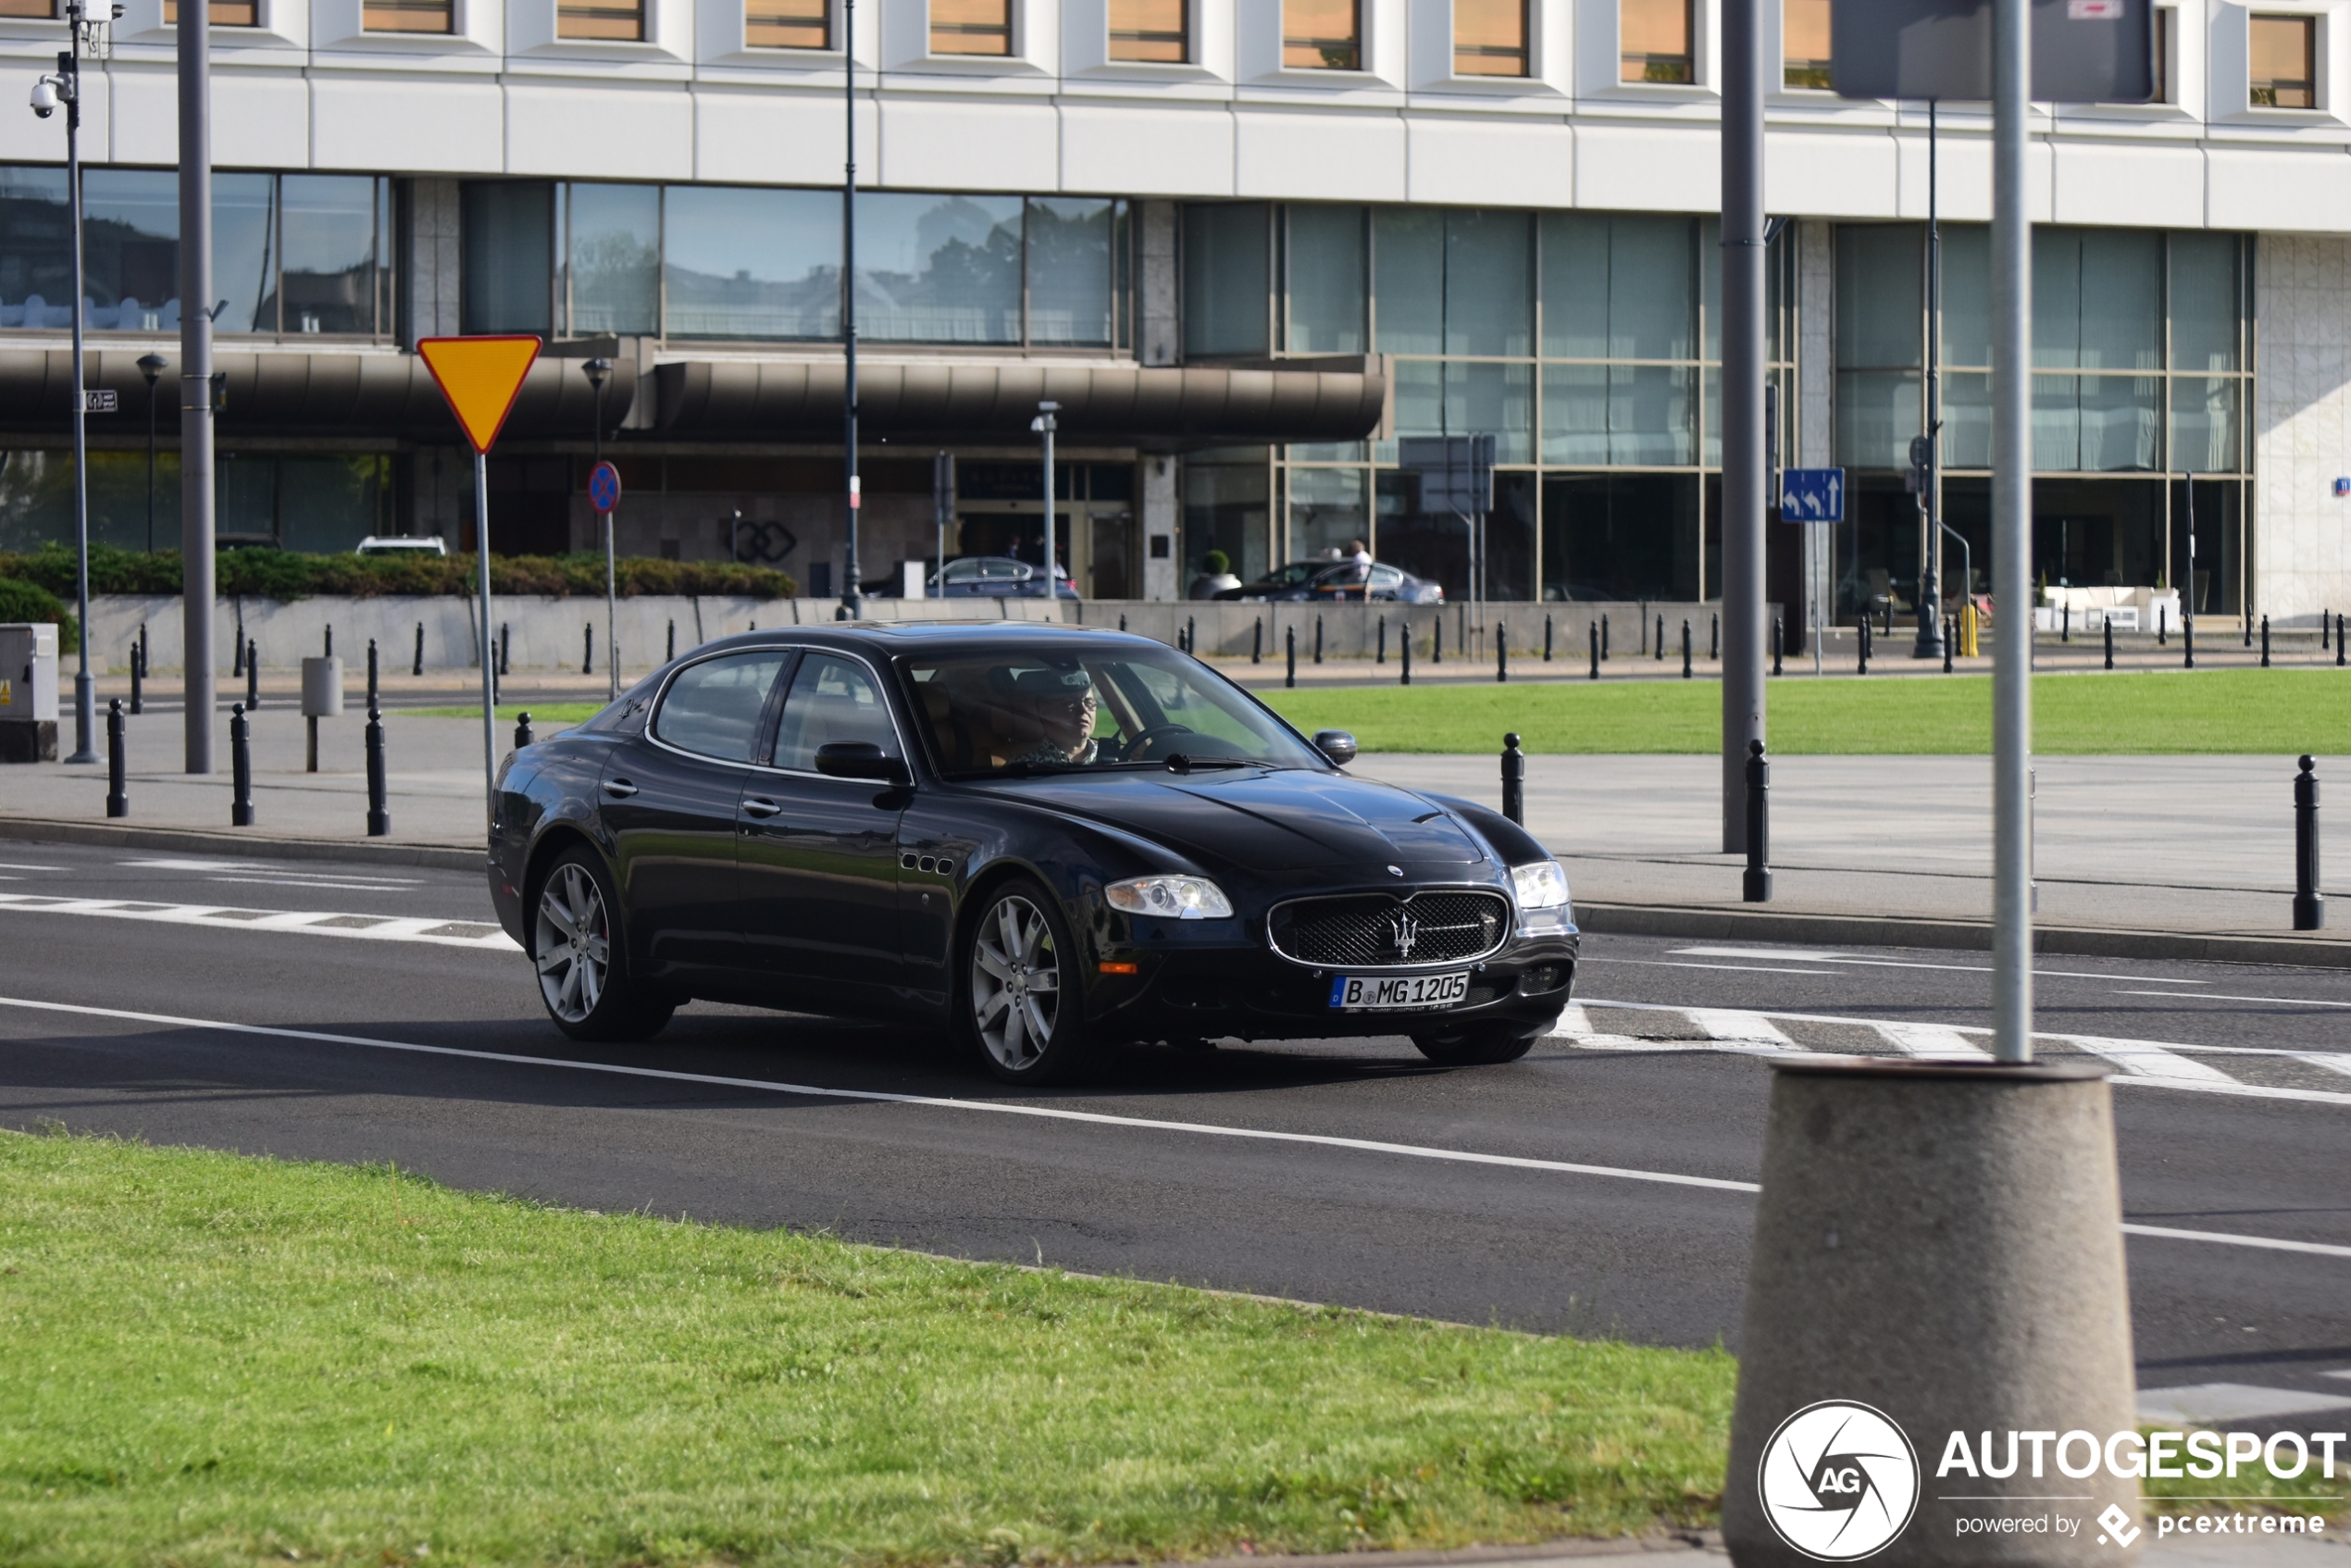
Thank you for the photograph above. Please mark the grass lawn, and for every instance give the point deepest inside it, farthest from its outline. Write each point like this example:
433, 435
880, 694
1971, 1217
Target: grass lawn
541, 713
216, 1360
2243, 711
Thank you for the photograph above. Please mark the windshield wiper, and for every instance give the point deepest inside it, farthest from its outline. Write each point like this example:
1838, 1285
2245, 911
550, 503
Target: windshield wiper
1180, 763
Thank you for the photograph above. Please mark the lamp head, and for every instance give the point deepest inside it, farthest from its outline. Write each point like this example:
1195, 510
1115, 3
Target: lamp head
45, 97
596, 371
151, 365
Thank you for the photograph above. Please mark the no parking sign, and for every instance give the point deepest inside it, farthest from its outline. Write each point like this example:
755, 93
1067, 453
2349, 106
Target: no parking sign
603, 487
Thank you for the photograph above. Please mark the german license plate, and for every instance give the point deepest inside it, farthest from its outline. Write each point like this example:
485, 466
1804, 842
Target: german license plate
1397, 993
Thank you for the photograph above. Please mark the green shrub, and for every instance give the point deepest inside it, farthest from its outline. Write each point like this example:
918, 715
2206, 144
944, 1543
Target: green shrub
24, 601
282, 575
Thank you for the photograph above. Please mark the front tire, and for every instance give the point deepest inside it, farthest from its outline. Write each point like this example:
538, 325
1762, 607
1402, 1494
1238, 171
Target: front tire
1022, 999
584, 970
1479, 1045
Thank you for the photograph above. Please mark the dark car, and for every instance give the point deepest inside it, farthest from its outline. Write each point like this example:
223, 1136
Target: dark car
996, 577
1339, 582
1051, 840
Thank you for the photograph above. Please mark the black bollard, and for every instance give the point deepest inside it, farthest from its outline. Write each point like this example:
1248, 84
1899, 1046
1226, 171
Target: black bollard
1779, 643
1501, 651
1864, 668
1406, 648
118, 789
1318, 639
237, 663
1714, 638
522, 730
373, 682
252, 677
1603, 640
1192, 635
2187, 640
1257, 640
1122, 620
2109, 642
138, 678
1595, 650
418, 667
2065, 622
2248, 626
146, 667
672, 651
1755, 887
1661, 638
505, 649
1889, 617
1289, 675
2265, 642
1437, 640
1952, 635
2322, 629
2309, 904
378, 809
1380, 657
1685, 650
2162, 625
2338, 641
240, 767
1514, 779
329, 649
1546, 639
587, 650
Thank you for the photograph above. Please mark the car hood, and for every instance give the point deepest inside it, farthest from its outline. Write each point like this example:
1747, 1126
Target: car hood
1266, 819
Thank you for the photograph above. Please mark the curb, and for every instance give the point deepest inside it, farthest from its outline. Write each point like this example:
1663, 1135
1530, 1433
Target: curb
446, 857
1653, 1541
1896, 931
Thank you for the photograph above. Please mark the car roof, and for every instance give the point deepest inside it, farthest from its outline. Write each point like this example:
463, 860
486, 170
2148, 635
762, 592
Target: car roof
889, 639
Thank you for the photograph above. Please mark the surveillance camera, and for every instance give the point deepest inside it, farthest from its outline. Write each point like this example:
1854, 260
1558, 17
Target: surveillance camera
44, 98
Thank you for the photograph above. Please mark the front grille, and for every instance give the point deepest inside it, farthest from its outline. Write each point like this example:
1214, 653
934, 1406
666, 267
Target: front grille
1376, 930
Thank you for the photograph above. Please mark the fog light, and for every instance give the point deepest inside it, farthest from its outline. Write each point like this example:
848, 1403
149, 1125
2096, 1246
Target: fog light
1542, 977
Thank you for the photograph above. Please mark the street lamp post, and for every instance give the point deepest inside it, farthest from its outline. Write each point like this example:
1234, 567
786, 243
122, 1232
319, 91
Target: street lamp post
1045, 424
151, 365
64, 87
596, 371
852, 590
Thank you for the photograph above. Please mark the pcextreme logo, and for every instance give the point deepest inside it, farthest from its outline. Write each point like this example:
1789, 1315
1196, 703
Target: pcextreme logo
1839, 1481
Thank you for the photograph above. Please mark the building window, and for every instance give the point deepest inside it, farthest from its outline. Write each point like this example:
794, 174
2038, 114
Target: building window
788, 24
1489, 37
224, 13
971, 27
1227, 270
42, 8
1155, 31
408, 16
621, 19
2163, 30
1322, 36
509, 242
2284, 53
1804, 44
1654, 41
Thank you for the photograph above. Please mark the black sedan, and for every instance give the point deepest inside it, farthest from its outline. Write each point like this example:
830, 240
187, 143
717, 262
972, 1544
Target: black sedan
1339, 582
1052, 840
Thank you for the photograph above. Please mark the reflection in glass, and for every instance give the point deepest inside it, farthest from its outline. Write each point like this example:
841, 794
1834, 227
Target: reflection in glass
1497, 400
220, 13
939, 268
1617, 288
743, 263
244, 254
788, 24
1489, 37
1327, 511
2120, 422
2121, 299
1326, 279
326, 506
1408, 268
1653, 40
1154, 31
1069, 271
2057, 423
1637, 415
130, 249
622, 20
1226, 276
1227, 507
329, 283
2282, 50
1880, 304
1419, 393
1967, 420
616, 258
1804, 44
2205, 288
1620, 537
971, 27
408, 16
36, 246
2204, 425
1322, 36
1967, 294
1877, 413
1488, 302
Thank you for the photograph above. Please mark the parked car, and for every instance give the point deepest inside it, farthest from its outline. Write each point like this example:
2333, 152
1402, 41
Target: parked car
395, 544
996, 577
1339, 582
1052, 840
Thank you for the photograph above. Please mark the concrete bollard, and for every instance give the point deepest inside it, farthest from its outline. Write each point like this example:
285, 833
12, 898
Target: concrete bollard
1714, 637
2065, 623
1380, 657
587, 650
2338, 641
118, 765
2162, 625
506, 648
1937, 1264
1950, 640
2309, 904
240, 767
1192, 635
1437, 640
2187, 640
375, 681
379, 806
1514, 779
2322, 629
1754, 886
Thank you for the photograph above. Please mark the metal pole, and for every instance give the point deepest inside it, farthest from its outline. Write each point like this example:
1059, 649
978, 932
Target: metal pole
1743, 373
597, 369
942, 488
1045, 424
151, 365
85, 717
488, 649
195, 384
2011, 538
851, 589
1930, 642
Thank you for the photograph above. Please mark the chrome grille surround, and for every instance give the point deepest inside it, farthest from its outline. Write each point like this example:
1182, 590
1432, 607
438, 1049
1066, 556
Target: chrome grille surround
1428, 928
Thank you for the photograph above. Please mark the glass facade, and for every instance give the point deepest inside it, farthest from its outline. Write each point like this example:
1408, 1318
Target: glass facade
323, 503
408, 16
2282, 68
1489, 38
621, 21
1155, 31
971, 27
1653, 40
1804, 44
788, 24
297, 254
1581, 341
1321, 35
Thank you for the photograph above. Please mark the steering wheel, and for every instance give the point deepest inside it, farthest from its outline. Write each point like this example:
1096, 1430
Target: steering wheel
1141, 742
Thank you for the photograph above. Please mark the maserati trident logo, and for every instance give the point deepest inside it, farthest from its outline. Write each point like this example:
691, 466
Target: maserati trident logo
1405, 932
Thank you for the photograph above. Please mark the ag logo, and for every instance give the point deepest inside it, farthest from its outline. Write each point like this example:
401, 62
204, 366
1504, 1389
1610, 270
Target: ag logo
1839, 1481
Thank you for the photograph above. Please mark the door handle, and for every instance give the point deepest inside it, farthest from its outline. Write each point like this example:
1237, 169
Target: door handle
620, 788
759, 805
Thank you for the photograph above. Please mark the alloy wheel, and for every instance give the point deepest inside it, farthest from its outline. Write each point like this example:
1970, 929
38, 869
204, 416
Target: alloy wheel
573, 942
1015, 983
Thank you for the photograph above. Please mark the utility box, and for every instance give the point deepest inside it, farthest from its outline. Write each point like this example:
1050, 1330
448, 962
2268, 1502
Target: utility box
910, 578
28, 691
322, 688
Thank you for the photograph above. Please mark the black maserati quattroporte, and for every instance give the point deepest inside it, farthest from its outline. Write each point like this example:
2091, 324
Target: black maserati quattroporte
1052, 840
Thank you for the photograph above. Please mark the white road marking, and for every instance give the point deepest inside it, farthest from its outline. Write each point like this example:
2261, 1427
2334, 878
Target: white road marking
2144, 1059
1575, 1022
1741, 968
1932, 1043
481, 935
13, 866
1807, 955
1055, 1114
2220, 996
2208, 1403
2332, 1061
1731, 1024
307, 882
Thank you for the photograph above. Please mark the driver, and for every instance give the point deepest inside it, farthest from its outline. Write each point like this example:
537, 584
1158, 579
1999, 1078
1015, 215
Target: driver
1064, 708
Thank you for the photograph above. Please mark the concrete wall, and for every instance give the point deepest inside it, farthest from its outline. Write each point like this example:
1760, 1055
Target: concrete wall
2301, 427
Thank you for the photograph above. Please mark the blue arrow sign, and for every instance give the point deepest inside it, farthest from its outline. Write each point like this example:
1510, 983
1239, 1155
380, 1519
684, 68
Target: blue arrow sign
1812, 495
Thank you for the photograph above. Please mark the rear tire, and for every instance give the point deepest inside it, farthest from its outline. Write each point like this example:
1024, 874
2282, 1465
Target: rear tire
583, 964
1023, 1003
1479, 1045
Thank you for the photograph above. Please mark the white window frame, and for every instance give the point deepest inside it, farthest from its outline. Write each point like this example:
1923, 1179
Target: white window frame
1599, 50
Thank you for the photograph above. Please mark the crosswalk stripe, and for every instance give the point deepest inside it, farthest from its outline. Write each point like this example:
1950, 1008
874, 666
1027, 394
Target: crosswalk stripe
2141, 1059
1932, 1043
1733, 1024
480, 935
2332, 1061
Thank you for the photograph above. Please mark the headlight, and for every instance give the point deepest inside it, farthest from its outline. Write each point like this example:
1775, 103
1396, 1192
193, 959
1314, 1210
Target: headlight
1541, 885
1174, 898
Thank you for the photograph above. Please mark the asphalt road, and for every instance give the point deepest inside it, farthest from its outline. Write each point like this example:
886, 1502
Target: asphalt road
273, 992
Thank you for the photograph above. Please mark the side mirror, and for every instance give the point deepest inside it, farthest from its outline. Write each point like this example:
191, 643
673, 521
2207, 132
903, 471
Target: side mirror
859, 759
1335, 744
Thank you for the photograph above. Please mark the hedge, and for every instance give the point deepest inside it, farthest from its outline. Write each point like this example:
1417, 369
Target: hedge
285, 576
23, 601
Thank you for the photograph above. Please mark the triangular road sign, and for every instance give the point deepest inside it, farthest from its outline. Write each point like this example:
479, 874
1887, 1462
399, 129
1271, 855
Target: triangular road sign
480, 377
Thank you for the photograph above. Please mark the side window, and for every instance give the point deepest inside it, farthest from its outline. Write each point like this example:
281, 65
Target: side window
1386, 576
712, 707
832, 699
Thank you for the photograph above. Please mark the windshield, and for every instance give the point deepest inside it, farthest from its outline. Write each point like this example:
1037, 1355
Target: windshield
1053, 709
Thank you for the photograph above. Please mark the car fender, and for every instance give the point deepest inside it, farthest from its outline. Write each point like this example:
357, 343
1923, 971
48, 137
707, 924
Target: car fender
1506, 840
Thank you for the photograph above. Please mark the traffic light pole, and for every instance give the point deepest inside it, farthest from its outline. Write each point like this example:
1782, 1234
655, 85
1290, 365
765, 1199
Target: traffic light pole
195, 383
1930, 639
1742, 371
2012, 539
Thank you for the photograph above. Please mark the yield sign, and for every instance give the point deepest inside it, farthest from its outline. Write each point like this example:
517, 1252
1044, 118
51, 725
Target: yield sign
480, 377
